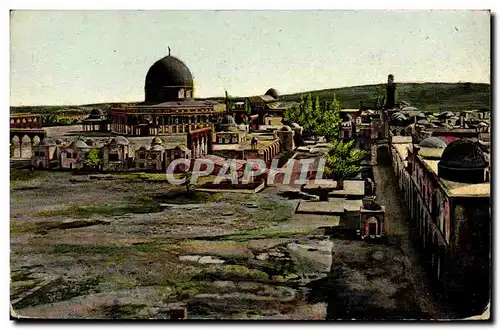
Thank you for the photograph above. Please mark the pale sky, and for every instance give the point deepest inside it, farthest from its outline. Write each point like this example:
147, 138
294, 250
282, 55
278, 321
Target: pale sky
78, 57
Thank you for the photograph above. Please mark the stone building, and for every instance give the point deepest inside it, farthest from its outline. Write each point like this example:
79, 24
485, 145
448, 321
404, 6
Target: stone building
97, 121
150, 156
448, 196
115, 154
179, 152
45, 154
267, 108
25, 130
230, 137
74, 155
285, 136
169, 106
372, 219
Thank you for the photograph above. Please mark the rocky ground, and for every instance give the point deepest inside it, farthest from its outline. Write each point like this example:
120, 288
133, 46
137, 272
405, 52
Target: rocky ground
132, 246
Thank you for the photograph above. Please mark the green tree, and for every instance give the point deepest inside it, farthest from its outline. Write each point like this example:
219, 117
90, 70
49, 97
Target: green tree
306, 118
292, 114
248, 107
93, 160
328, 122
317, 111
342, 160
315, 118
229, 102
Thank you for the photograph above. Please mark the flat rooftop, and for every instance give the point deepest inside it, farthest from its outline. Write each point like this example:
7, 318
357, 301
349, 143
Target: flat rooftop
334, 206
402, 149
353, 188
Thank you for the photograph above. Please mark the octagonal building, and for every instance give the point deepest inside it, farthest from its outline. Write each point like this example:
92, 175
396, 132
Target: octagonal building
169, 105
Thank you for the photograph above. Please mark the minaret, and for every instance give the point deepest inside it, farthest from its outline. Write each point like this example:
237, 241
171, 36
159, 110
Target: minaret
391, 92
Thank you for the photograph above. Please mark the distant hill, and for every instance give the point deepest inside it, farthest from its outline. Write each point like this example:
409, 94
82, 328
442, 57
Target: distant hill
425, 96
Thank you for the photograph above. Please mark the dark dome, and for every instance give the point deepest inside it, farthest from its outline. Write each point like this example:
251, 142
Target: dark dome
462, 161
157, 141
168, 79
47, 142
77, 144
272, 92
433, 142
169, 72
119, 140
348, 117
228, 120
96, 112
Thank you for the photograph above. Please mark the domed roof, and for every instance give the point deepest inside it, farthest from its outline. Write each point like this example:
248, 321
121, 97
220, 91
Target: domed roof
286, 129
446, 114
463, 161
228, 120
272, 92
433, 142
463, 153
169, 72
294, 125
76, 144
348, 117
120, 140
181, 147
157, 147
96, 113
157, 141
47, 142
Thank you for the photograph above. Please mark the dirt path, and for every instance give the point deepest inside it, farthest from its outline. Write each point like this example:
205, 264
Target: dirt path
399, 227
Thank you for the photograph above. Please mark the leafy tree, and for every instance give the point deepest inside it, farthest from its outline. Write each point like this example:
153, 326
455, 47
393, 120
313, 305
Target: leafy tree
292, 115
342, 160
248, 107
328, 121
93, 160
316, 118
317, 111
229, 102
306, 117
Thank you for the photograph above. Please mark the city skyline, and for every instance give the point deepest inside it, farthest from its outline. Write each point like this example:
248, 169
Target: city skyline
103, 56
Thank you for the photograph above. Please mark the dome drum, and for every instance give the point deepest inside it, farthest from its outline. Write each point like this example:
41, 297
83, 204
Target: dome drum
463, 161
466, 175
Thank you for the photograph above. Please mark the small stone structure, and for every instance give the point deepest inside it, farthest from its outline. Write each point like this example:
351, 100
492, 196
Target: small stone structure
372, 219
45, 154
285, 136
115, 154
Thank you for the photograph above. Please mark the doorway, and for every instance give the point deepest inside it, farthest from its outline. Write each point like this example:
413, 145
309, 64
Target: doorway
372, 229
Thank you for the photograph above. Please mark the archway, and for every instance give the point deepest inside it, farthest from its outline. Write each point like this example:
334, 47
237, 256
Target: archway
26, 147
36, 141
373, 226
16, 147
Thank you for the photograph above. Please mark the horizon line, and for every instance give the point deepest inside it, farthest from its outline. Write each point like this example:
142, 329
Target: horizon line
232, 96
